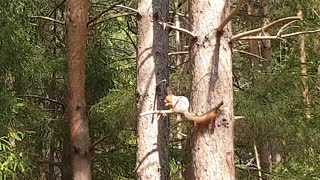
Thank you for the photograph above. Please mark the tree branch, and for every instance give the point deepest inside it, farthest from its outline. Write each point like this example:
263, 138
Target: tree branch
299, 33
162, 112
266, 27
178, 53
98, 141
43, 98
251, 54
49, 19
283, 28
230, 16
177, 28
278, 37
103, 12
126, 7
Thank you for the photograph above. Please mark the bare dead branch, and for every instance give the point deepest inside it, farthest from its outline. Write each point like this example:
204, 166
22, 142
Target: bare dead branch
103, 12
266, 27
178, 53
114, 16
177, 28
43, 98
278, 37
49, 19
251, 54
161, 112
301, 32
126, 7
284, 27
259, 37
94, 144
230, 16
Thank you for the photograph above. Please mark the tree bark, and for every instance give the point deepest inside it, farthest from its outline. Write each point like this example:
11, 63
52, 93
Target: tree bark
253, 44
304, 72
153, 139
264, 158
78, 120
266, 51
212, 149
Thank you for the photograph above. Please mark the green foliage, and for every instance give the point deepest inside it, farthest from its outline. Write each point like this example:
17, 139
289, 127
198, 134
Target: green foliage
114, 118
13, 161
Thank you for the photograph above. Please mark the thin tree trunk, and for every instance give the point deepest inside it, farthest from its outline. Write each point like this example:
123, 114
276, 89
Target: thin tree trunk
304, 72
253, 44
257, 159
264, 158
78, 120
212, 149
153, 139
178, 44
266, 51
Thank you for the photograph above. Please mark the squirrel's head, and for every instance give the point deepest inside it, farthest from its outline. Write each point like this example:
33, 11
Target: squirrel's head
168, 101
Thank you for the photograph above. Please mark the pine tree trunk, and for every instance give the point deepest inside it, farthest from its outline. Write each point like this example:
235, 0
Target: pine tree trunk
266, 51
78, 120
304, 72
153, 140
253, 44
212, 149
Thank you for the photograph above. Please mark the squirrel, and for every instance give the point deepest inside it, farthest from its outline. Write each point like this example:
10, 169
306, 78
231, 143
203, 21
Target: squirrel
180, 104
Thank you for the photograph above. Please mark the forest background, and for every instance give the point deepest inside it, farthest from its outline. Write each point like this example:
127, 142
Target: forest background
277, 93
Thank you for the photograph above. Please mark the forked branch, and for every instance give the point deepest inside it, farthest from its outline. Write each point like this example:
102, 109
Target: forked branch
264, 28
230, 16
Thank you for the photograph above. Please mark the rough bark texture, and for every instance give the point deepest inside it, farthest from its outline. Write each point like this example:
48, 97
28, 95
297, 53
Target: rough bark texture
304, 74
152, 154
253, 44
265, 158
66, 173
212, 149
78, 120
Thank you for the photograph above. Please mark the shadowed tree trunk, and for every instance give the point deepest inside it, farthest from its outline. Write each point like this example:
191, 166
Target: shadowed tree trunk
152, 52
266, 51
212, 148
78, 120
253, 44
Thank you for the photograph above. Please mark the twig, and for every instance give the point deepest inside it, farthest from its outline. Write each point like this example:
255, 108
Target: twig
98, 141
177, 28
161, 112
301, 32
249, 53
103, 12
179, 14
126, 7
279, 37
266, 27
60, 4
230, 16
49, 19
257, 159
284, 27
258, 37
114, 16
238, 117
43, 98
178, 53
